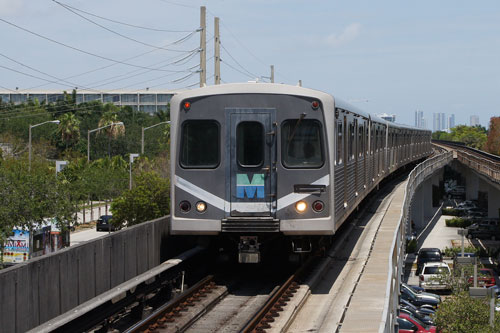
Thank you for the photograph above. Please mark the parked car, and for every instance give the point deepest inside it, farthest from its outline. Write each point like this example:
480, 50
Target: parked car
428, 254
104, 224
483, 231
434, 276
421, 299
485, 278
466, 255
426, 319
422, 310
410, 324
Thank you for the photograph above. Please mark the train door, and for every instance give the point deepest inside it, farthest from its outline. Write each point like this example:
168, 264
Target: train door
252, 162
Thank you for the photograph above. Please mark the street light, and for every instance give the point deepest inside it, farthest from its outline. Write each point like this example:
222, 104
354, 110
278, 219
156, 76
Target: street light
94, 130
132, 156
29, 146
146, 128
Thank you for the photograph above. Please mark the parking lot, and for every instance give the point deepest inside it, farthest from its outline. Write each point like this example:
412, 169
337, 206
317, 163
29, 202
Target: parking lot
438, 235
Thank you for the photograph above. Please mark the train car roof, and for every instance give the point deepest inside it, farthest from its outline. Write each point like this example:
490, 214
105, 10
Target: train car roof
249, 88
277, 88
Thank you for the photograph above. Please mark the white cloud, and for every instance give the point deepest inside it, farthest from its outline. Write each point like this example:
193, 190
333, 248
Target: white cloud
10, 7
350, 33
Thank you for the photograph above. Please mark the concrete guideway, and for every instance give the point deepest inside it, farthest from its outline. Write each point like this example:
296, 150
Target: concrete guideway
325, 299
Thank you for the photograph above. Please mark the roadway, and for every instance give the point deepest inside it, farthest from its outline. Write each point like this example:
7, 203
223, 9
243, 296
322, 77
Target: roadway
82, 235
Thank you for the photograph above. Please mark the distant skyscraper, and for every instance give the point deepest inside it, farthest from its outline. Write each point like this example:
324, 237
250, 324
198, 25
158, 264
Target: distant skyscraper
439, 121
474, 120
451, 121
419, 119
388, 117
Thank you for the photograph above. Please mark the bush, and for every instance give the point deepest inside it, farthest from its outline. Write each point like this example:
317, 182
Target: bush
411, 246
451, 212
461, 313
452, 251
458, 222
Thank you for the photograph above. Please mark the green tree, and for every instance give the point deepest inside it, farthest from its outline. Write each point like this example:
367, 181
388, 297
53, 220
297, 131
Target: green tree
110, 117
461, 313
69, 129
148, 199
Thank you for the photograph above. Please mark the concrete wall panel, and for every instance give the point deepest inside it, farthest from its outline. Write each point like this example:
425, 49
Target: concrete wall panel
45, 287
130, 248
24, 306
69, 280
48, 288
85, 255
103, 267
117, 259
142, 247
8, 284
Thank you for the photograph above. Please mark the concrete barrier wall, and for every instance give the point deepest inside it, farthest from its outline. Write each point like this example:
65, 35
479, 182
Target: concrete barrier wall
42, 288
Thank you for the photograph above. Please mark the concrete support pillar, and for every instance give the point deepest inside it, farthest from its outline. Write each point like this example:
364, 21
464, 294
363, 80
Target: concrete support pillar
428, 211
417, 209
471, 184
493, 201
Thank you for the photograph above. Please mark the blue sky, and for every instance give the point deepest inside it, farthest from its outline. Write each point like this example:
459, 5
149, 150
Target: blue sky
383, 56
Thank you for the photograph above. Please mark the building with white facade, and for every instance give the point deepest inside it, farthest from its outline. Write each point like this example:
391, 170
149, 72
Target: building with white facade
149, 101
439, 122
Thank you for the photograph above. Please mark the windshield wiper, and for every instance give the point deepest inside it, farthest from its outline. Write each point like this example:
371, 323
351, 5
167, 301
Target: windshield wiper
302, 116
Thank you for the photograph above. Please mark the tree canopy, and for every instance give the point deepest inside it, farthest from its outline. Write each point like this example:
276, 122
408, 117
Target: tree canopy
472, 136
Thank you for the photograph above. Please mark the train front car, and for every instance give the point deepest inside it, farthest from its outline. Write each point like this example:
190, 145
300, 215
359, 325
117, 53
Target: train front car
251, 167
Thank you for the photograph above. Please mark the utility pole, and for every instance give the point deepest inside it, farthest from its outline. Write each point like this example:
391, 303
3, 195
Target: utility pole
203, 47
217, 51
272, 73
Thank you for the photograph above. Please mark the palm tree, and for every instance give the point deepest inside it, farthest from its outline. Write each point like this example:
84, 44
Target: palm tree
110, 116
69, 128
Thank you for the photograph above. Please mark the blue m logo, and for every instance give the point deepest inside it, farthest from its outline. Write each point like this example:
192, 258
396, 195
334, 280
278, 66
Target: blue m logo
244, 186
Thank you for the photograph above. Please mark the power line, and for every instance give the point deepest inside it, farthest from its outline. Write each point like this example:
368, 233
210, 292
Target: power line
178, 4
38, 71
83, 51
115, 32
119, 22
229, 54
127, 59
236, 69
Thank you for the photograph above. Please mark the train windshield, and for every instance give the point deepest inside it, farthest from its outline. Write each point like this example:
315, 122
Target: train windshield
301, 145
200, 144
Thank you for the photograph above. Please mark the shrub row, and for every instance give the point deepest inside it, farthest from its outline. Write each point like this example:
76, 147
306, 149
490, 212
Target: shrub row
458, 222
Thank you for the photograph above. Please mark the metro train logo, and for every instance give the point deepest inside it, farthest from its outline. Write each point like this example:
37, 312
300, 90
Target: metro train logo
244, 186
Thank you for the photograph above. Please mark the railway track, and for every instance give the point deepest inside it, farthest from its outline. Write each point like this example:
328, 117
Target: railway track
248, 304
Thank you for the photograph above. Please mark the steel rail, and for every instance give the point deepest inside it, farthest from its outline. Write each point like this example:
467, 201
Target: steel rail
171, 309
279, 298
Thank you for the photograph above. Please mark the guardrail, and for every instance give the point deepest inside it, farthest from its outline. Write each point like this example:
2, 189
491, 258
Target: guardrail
484, 166
478, 160
416, 177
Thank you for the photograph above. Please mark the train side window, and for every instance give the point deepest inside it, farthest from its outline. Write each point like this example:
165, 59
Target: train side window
200, 143
250, 144
351, 142
361, 140
340, 143
301, 143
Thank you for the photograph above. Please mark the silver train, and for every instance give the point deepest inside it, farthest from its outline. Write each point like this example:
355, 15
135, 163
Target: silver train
263, 166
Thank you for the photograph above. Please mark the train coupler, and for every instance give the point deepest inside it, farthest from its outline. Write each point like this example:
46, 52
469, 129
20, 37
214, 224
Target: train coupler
248, 250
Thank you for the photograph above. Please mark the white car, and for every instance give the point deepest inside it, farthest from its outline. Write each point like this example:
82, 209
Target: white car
435, 276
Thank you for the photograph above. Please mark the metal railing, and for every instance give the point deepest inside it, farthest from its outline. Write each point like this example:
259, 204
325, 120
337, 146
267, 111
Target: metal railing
416, 177
484, 166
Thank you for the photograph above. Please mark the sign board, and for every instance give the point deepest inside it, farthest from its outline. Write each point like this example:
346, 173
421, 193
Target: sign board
17, 247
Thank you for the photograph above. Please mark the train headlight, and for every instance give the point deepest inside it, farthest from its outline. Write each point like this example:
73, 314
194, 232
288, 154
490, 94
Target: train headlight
201, 206
301, 206
186, 106
185, 206
318, 206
